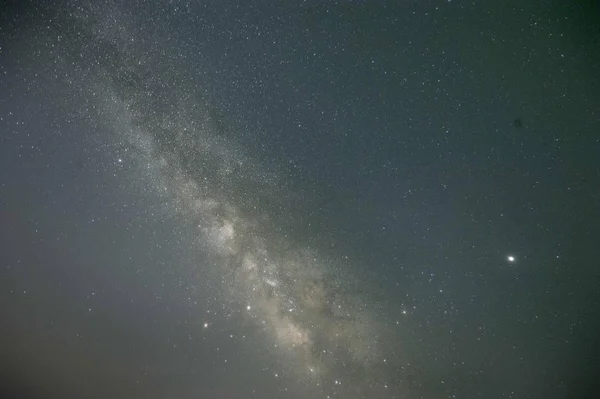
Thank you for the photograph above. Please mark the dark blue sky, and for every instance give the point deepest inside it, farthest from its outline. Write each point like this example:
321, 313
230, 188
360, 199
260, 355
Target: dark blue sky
308, 199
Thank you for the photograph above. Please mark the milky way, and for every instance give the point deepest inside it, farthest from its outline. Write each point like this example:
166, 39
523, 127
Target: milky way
314, 309
312, 199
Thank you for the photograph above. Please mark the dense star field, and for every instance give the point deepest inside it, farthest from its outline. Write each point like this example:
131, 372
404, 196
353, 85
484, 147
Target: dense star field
312, 199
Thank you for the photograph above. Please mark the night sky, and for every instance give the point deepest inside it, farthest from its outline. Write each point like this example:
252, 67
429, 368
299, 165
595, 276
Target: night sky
299, 199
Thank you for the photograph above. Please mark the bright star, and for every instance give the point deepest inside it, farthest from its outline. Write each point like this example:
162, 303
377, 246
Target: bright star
510, 258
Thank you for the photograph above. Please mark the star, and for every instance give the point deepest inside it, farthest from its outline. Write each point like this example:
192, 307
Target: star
511, 258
